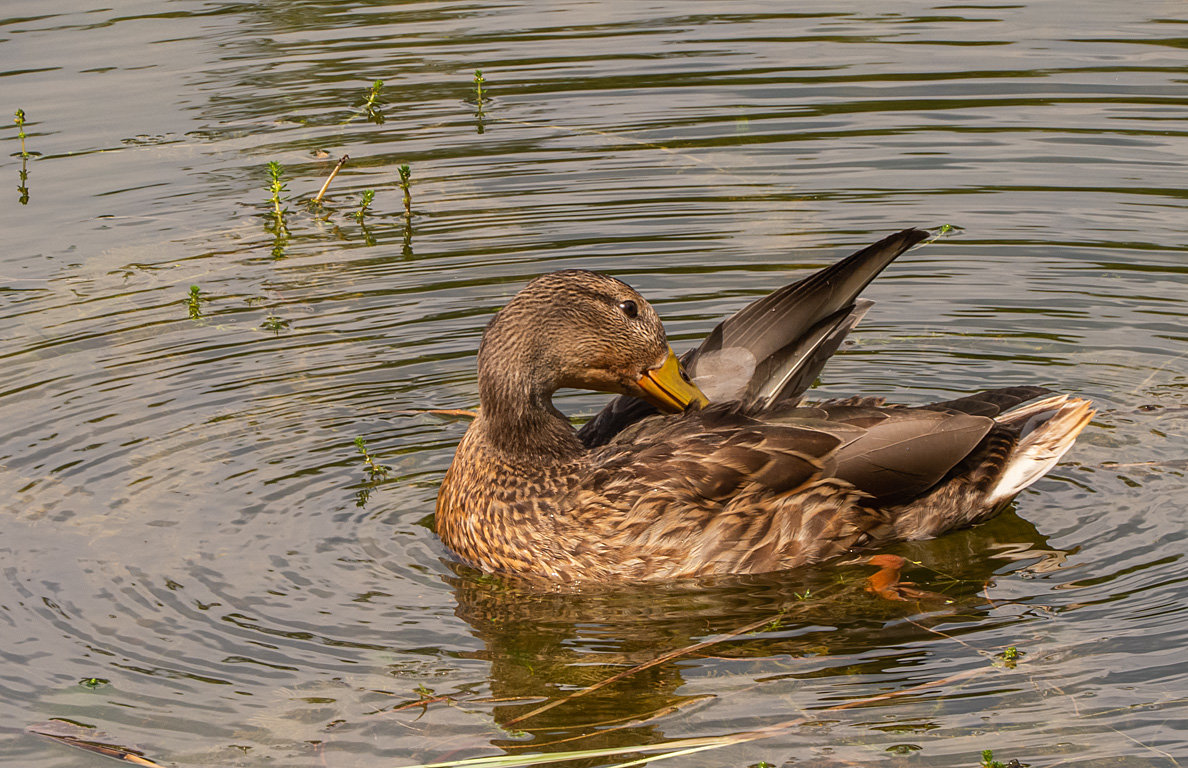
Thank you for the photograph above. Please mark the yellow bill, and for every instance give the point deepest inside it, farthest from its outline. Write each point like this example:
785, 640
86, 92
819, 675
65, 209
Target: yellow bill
667, 388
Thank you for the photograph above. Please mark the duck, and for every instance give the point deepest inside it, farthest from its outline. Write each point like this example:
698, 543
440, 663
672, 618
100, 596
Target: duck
712, 464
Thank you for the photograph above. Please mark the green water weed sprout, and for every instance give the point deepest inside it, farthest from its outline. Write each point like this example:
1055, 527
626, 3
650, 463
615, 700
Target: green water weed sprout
988, 760
1009, 658
371, 103
944, 230
375, 470
194, 302
364, 205
276, 186
405, 179
478, 98
20, 122
23, 187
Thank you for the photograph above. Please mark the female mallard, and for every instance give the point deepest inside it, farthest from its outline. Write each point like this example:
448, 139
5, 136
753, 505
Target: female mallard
753, 482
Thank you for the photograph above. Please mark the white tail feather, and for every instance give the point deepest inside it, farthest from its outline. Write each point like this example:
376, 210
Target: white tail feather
1048, 427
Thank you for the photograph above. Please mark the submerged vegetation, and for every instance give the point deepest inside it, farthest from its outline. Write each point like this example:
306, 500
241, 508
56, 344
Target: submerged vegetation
478, 99
405, 178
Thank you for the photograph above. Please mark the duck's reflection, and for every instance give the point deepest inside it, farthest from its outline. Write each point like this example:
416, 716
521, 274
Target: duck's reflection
543, 647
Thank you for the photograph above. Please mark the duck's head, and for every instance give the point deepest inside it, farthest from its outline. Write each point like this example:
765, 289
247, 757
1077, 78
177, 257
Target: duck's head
584, 330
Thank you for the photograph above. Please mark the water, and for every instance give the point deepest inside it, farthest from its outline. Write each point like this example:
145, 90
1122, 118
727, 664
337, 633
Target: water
188, 519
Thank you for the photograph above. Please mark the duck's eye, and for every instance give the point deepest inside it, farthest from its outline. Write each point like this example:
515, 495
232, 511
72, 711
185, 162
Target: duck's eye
629, 308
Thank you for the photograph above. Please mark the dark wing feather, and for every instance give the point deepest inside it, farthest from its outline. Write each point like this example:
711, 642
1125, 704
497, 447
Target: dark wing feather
909, 451
992, 402
791, 333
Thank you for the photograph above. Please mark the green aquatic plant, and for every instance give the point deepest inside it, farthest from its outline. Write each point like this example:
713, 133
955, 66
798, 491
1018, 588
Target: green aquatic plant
20, 122
275, 324
478, 99
406, 249
1009, 658
364, 205
405, 179
23, 187
374, 470
194, 302
276, 186
93, 682
371, 103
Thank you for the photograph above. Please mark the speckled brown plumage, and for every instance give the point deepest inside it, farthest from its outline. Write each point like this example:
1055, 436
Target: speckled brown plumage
757, 484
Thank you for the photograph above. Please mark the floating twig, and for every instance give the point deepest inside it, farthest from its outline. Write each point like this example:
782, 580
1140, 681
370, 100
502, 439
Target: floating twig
330, 178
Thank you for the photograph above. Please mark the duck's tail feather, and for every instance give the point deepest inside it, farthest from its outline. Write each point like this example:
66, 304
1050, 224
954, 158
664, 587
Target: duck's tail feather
1047, 429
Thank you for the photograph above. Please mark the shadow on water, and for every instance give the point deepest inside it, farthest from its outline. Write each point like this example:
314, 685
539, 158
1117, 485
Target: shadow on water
550, 653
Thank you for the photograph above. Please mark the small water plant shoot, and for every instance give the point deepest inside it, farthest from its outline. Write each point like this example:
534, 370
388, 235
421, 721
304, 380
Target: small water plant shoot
478, 97
194, 302
23, 187
988, 761
276, 185
375, 470
364, 205
405, 178
20, 122
275, 324
371, 103
1009, 657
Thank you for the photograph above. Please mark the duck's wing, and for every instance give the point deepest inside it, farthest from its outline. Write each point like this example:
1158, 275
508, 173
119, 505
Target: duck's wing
894, 453
723, 491
771, 350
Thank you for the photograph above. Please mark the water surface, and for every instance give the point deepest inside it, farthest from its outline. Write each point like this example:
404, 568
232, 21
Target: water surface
189, 523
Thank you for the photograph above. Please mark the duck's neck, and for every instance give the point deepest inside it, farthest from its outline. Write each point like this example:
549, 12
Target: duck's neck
517, 416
